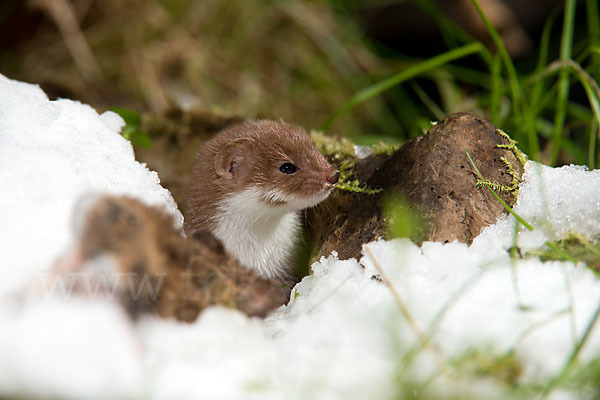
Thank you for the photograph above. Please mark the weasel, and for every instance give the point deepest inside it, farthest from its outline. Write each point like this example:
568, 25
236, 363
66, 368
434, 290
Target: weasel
134, 252
249, 183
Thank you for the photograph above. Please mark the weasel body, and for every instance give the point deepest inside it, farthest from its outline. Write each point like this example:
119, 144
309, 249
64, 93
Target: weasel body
249, 183
133, 252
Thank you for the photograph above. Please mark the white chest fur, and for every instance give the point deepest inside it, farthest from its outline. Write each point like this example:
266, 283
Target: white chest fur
261, 237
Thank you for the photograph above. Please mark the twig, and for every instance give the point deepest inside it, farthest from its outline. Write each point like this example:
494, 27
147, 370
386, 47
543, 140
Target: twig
413, 324
64, 17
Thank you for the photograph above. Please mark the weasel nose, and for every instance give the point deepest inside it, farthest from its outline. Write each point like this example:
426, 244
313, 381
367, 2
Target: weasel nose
333, 179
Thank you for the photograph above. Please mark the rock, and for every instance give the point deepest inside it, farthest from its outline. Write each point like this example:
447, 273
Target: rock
434, 174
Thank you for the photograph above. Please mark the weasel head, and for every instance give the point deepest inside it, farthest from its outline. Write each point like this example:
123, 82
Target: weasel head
276, 159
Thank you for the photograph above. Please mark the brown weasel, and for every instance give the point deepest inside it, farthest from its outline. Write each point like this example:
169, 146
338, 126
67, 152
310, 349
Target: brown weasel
156, 269
248, 185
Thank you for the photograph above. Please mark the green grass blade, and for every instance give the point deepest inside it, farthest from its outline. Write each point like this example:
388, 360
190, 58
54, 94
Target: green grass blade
536, 93
496, 91
594, 50
580, 112
594, 30
506, 206
520, 219
449, 29
592, 132
589, 84
538, 88
433, 108
510, 68
593, 95
575, 354
593, 20
452, 33
563, 80
469, 75
380, 87
558, 251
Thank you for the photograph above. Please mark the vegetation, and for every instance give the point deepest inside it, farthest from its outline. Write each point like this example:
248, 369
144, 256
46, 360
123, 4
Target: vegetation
132, 129
310, 62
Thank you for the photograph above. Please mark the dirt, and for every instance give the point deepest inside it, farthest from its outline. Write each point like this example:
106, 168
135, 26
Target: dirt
434, 174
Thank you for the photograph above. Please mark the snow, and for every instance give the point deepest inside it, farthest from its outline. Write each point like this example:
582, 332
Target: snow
555, 201
56, 347
341, 336
51, 152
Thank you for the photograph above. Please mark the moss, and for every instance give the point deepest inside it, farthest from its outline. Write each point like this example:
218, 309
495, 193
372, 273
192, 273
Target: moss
577, 246
385, 148
354, 186
513, 188
340, 151
495, 186
335, 149
512, 146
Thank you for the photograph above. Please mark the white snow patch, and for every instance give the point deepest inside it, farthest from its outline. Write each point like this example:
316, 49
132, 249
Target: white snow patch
51, 152
342, 335
75, 349
556, 201
488, 306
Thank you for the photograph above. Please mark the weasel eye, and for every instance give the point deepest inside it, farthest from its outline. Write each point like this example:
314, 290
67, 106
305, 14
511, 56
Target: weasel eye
288, 168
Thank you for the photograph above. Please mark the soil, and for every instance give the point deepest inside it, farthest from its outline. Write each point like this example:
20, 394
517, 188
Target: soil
434, 174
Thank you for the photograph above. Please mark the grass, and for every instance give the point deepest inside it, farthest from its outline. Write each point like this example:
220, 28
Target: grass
405, 75
477, 367
309, 62
529, 93
316, 56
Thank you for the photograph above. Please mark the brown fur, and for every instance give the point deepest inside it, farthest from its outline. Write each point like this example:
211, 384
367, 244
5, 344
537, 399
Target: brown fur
257, 150
191, 273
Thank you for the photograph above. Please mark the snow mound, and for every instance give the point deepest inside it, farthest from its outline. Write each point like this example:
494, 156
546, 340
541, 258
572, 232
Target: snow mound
75, 349
344, 334
51, 152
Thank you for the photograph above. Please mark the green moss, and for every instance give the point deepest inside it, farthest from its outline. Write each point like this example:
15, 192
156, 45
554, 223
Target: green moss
340, 151
576, 245
385, 148
335, 149
512, 146
513, 188
495, 186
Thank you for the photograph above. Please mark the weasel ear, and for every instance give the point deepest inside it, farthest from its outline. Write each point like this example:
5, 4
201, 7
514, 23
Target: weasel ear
232, 158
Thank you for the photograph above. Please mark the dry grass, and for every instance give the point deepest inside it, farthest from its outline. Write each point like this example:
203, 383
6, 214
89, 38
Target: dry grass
293, 60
